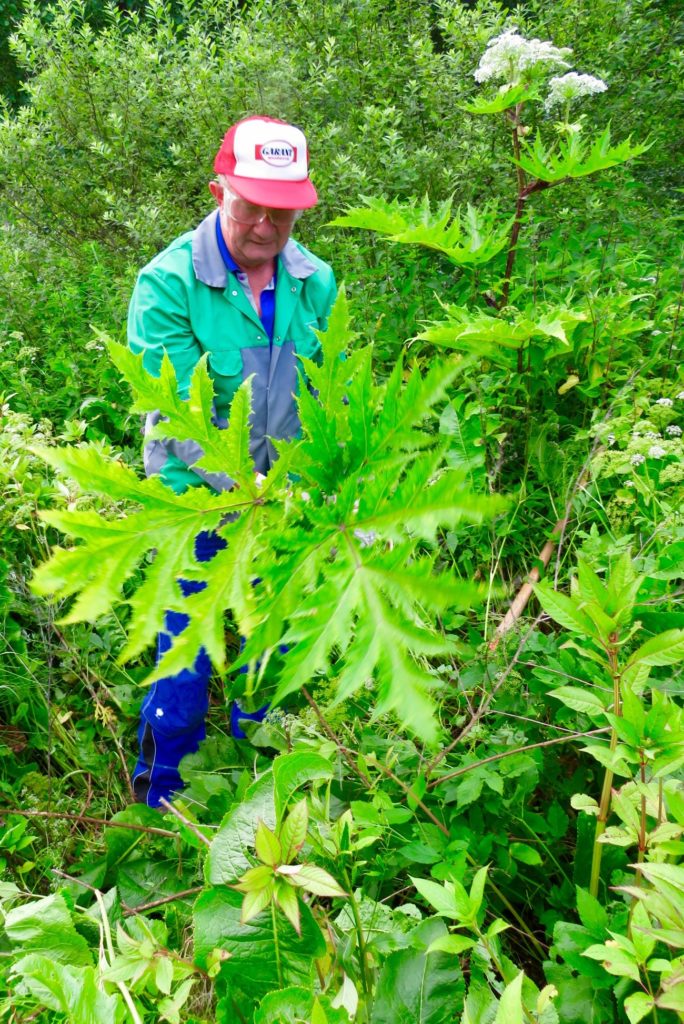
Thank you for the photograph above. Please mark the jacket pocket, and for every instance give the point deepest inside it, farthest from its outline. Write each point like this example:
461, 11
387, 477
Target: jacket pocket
308, 346
225, 370
226, 363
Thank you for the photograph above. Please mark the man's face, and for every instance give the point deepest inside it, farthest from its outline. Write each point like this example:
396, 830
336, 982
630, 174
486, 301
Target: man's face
252, 244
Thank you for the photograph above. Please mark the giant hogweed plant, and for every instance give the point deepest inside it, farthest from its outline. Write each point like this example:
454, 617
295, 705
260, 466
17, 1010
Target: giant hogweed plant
512, 337
340, 535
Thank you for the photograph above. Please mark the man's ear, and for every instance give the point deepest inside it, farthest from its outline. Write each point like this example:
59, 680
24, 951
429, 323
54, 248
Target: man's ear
216, 190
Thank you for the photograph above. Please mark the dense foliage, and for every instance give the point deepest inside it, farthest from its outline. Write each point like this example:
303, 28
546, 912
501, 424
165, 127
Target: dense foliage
466, 803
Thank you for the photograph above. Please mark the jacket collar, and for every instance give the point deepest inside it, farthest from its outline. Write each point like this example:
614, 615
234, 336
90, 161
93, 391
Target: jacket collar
208, 263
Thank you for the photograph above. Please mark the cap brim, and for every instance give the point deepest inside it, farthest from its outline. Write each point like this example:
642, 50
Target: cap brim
279, 195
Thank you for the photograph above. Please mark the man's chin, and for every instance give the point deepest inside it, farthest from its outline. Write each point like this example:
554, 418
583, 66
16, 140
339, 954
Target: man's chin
256, 256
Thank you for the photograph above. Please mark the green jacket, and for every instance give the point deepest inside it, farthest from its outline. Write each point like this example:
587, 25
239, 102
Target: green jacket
185, 303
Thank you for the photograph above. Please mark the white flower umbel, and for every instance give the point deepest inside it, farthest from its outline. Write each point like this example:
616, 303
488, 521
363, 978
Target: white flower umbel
673, 430
511, 58
564, 89
667, 402
637, 459
656, 451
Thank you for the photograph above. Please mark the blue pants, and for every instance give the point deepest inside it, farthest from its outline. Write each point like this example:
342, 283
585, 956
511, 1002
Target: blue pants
173, 712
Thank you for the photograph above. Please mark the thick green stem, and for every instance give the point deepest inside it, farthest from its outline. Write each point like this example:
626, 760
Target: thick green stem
510, 258
525, 190
519, 208
276, 945
363, 950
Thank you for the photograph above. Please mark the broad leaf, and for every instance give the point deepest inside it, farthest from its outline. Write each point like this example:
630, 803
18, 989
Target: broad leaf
294, 770
419, 987
510, 1009
73, 991
255, 966
665, 649
45, 926
584, 701
565, 610
292, 1005
233, 845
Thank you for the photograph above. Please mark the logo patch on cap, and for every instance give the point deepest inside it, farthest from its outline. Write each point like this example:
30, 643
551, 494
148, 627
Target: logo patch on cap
277, 153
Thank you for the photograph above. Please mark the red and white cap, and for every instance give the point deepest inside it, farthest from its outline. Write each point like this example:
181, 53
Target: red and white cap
266, 162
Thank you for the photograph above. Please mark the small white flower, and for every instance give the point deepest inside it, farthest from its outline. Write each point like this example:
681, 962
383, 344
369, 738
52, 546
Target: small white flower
680, 396
656, 451
667, 402
611, 439
566, 88
629, 483
673, 430
655, 333
510, 55
652, 435
637, 459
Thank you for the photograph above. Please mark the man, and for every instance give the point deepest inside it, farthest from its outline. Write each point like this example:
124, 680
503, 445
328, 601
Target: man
240, 289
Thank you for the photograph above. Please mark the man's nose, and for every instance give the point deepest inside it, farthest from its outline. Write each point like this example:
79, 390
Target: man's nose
265, 229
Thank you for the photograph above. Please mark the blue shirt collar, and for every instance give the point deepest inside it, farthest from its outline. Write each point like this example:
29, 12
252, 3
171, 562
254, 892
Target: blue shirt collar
230, 263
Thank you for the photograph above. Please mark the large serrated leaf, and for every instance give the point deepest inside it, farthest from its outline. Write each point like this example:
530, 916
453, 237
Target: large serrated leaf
575, 156
341, 535
472, 238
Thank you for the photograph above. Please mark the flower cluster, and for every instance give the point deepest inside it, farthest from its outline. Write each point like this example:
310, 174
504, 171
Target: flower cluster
511, 58
564, 89
646, 452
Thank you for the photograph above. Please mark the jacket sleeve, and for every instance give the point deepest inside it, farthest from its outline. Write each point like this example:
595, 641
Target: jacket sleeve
159, 321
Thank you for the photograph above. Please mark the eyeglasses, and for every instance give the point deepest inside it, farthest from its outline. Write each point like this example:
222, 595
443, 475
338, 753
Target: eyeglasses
243, 212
